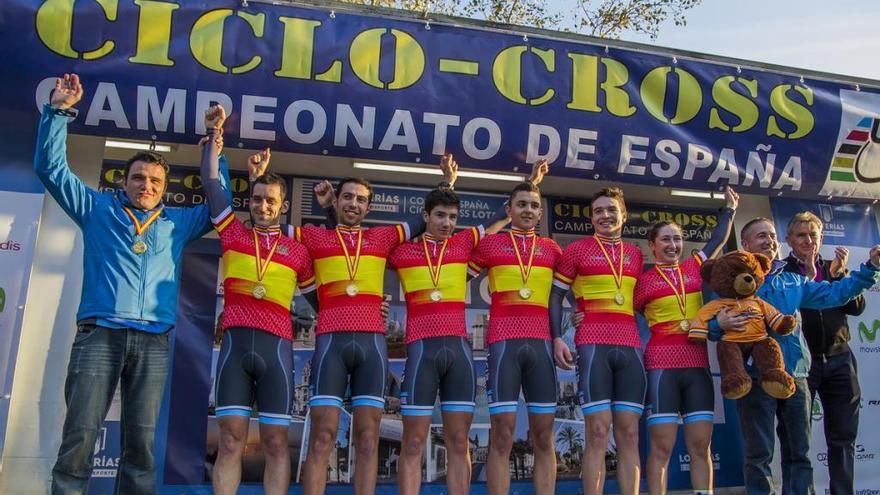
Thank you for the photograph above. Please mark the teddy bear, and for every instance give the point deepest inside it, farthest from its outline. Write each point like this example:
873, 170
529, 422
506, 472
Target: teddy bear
736, 277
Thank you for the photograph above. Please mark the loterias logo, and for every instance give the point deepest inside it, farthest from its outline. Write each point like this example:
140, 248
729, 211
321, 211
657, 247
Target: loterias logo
10, 246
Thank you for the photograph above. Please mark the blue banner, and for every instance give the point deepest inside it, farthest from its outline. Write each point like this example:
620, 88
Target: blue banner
375, 87
842, 224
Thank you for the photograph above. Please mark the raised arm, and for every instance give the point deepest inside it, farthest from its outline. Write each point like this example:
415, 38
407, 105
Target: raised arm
218, 201
50, 156
823, 295
721, 232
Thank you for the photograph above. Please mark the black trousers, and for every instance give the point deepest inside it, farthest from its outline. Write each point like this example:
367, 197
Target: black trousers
835, 379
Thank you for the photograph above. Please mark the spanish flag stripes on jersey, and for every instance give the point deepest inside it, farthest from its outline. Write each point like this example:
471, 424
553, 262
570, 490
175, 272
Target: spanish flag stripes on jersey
585, 269
510, 315
426, 318
340, 312
669, 346
290, 266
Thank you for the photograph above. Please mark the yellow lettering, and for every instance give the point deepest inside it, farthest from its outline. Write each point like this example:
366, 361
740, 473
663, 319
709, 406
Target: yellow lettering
653, 93
365, 53
791, 111
745, 109
154, 33
616, 98
297, 51
54, 24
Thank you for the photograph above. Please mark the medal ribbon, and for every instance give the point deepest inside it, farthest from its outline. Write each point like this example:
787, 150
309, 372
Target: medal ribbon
524, 270
680, 295
138, 227
618, 273
434, 270
352, 265
262, 266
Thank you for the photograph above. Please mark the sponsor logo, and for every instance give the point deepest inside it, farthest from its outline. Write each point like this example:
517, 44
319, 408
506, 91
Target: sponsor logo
857, 158
816, 412
2, 299
684, 462
10, 246
104, 466
862, 454
868, 335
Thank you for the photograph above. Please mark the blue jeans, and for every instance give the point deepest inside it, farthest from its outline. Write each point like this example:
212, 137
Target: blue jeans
100, 357
757, 412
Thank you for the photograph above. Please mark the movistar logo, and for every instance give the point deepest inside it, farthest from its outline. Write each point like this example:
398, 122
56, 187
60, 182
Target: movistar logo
866, 335
2, 299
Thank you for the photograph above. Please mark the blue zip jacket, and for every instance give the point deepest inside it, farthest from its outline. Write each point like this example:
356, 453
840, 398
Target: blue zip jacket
117, 283
789, 292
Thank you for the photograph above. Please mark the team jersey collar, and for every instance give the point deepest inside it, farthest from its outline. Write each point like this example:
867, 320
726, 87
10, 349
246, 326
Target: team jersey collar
522, 233
345, 229
666, 266
607, 240
270, 230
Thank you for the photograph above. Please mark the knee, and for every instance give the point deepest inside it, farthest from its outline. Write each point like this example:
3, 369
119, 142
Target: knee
501, 439
458, 443
321, 441
231, 441
627, 435
366, 443
698, 447
413, 446
661, 449
597, 434
276, 446
543, 440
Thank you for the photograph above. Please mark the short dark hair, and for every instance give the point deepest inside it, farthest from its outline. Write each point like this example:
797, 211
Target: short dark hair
355, 180
748, 225
612, 192
524, 187
270, 178
441, 197
655, 229
148, 157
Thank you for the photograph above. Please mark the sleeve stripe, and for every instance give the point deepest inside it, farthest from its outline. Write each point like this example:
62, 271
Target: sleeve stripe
305, 289
479, 233
297, 233
700, 257
403, 233
223, 220
775, 320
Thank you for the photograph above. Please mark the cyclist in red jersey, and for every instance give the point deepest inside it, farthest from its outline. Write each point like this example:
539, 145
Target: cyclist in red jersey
680, 386
261, 270
520, 265
433, 273
601, 270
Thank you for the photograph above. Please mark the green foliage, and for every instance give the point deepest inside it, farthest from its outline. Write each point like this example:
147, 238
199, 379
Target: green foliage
601, 18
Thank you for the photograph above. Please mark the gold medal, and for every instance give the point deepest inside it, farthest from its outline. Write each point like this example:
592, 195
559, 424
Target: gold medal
259, 290
617, 273
524, 269
680, 294
139, 247
352, 289
436, 295
434, 270
351, 263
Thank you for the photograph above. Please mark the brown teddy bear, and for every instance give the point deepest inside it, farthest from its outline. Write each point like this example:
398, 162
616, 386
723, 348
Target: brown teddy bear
736, 277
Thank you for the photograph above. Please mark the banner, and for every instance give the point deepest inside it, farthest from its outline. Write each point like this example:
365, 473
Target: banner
358, 85
854, 227
19, 221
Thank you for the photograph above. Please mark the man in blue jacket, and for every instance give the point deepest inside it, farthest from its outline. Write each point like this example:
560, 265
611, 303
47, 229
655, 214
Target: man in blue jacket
757, 411
133, 246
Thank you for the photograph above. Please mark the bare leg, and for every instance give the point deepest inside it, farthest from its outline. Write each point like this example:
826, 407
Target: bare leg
498, 461
541, 430
698, 438
276, 476
662, 441
366, 444
456, 430
593, 469
626, 436
226, 475
415, 436
322, 438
